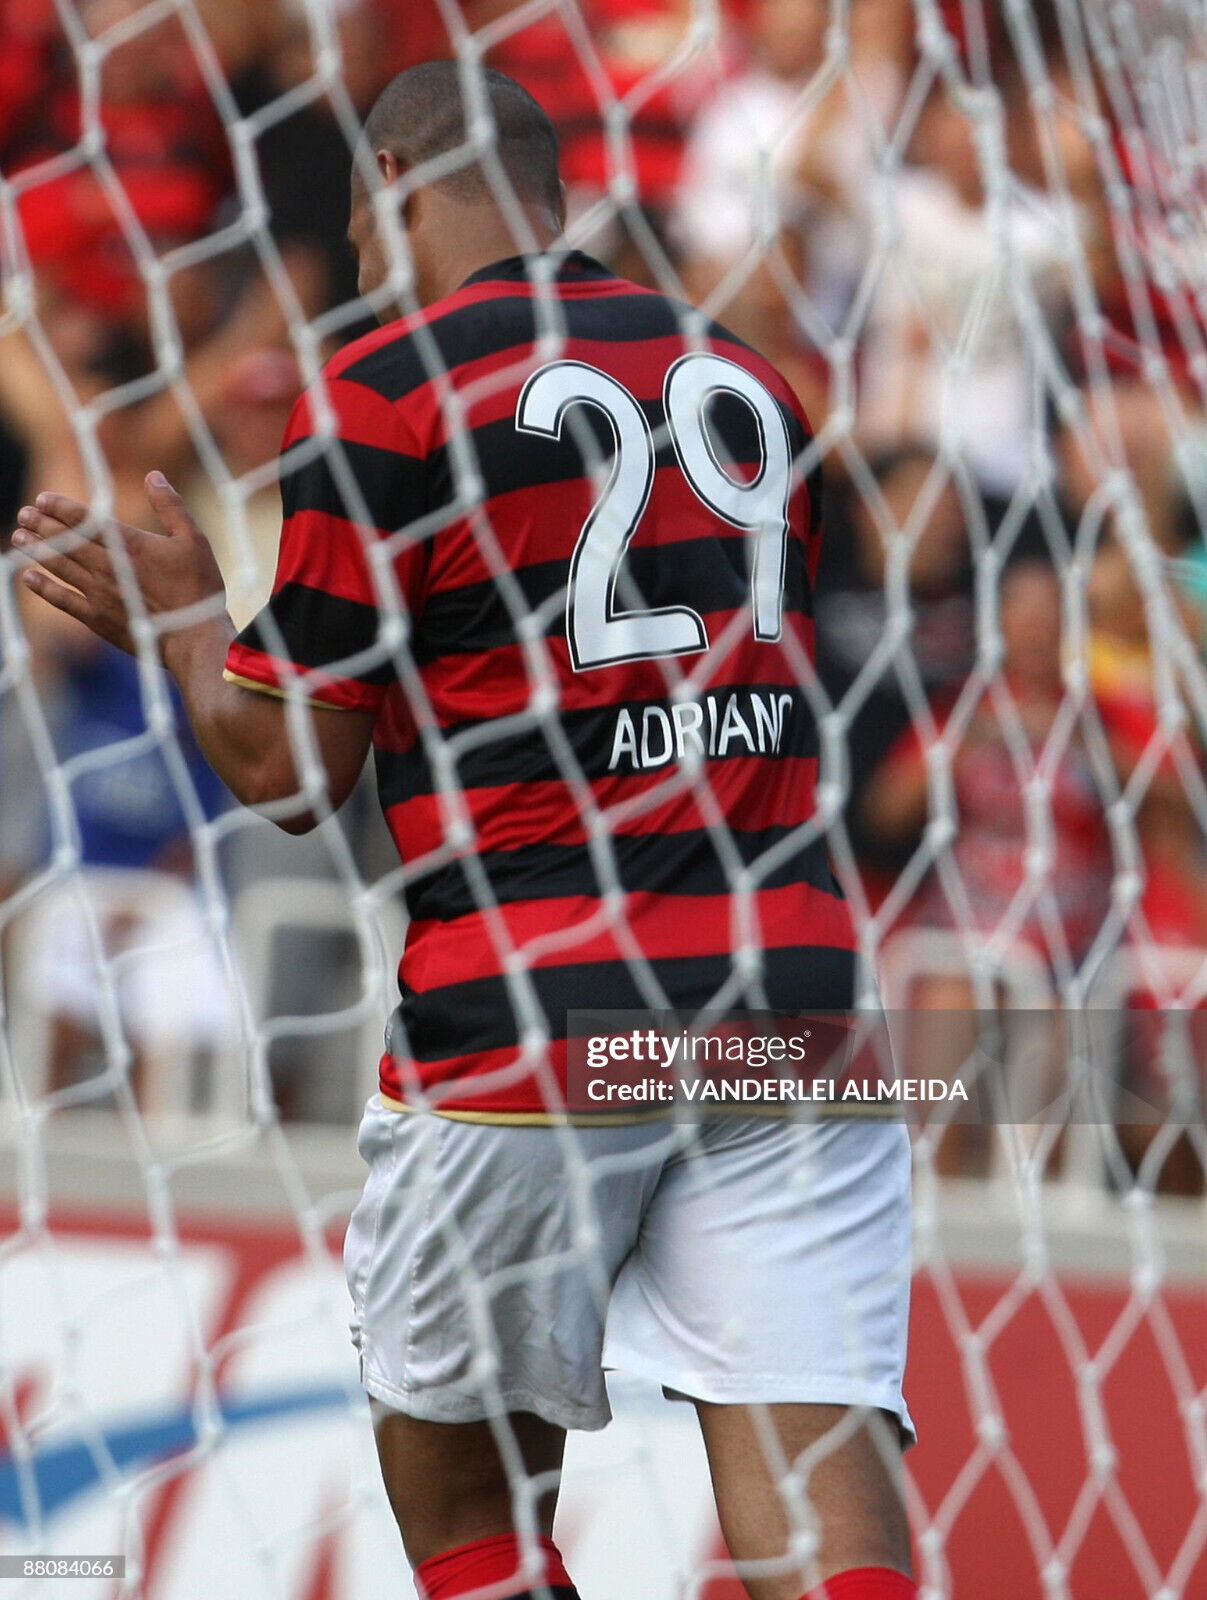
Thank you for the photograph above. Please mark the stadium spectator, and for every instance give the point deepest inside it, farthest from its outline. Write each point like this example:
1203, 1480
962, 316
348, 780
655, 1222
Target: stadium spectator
761, 129
38, 407
738, 188
168, 150
132, 833
739, 185
1167, 931
996, 754
983, 881
303, 158
944, 357
165, 142
1127, 428
854, 613
1141, 257
40, 410
259, 389
632, 40
773, 208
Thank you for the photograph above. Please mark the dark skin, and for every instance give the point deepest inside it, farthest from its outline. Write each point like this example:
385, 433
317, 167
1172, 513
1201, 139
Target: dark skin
243, 734
447, 1483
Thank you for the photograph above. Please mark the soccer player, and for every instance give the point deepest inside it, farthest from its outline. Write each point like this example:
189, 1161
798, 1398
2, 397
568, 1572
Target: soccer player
547, 547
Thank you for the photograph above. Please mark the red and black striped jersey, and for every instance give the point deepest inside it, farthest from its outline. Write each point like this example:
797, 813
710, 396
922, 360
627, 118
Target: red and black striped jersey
556, 533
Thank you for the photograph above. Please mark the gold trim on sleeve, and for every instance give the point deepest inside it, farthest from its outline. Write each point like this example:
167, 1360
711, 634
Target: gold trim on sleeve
282, 694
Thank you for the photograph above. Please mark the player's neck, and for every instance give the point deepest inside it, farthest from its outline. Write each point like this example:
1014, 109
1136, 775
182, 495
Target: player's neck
490, 238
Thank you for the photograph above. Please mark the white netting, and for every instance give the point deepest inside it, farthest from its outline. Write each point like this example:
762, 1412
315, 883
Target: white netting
972, 237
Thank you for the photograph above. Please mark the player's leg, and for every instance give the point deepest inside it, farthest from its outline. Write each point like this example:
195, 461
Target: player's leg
463, 1495
480, 1261
770, 1283
805, 1492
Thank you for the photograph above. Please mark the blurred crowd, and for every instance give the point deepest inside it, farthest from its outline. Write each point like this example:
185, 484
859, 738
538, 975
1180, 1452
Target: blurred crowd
984, 330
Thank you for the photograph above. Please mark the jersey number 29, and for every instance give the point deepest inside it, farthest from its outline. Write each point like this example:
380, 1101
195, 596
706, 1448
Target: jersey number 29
599, 632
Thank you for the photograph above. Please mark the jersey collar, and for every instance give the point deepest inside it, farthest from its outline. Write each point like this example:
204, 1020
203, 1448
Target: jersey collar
572, 266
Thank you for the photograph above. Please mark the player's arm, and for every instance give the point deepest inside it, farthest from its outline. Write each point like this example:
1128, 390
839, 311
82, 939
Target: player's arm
246, 736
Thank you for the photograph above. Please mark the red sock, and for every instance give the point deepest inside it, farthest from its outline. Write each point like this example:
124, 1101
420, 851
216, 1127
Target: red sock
495, 1568
865, 1583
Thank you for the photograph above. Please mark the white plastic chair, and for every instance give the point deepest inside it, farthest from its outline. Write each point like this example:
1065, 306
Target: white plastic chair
1019, 973
148, 981
265, 909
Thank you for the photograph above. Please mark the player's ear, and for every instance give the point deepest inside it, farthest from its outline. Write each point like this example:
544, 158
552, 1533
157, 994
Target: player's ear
560, 210
389, 166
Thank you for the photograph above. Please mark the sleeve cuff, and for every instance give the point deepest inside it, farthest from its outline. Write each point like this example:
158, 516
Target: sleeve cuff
265, 675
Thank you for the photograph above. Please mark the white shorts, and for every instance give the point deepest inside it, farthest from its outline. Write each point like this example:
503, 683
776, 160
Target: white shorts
499, 1268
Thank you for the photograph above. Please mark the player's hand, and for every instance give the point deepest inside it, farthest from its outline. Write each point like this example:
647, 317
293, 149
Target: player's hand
77, 561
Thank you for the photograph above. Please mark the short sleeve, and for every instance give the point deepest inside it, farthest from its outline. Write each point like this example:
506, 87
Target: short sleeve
341, 492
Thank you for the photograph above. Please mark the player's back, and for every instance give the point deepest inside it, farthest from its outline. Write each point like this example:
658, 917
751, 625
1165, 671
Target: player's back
603, 765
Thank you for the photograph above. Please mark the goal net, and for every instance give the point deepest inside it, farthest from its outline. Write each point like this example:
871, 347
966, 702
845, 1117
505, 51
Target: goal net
971, 236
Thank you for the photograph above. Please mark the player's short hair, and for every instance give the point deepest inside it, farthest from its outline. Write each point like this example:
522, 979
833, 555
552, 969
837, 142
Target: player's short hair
420, 115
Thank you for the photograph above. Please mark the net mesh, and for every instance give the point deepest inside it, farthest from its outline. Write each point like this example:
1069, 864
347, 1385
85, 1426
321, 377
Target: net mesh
972, 236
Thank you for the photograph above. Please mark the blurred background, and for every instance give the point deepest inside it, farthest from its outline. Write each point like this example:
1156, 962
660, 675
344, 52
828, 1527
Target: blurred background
972, 238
